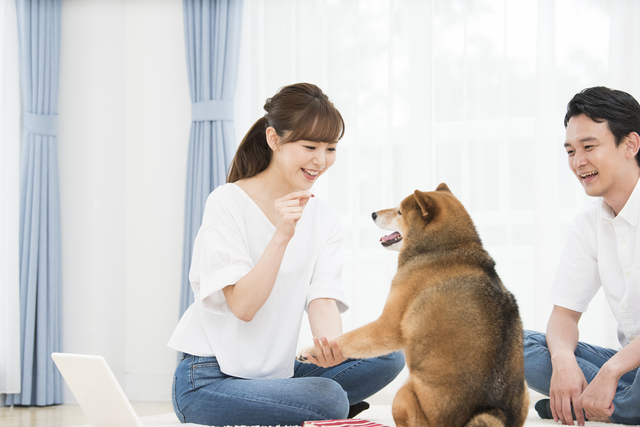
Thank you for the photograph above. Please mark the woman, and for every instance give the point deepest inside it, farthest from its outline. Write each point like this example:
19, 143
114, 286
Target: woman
266, 251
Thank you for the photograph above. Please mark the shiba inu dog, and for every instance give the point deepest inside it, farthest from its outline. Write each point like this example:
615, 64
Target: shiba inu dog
447, 309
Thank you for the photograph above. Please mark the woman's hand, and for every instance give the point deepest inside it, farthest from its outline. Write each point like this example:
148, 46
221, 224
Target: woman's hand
326, 354
289, 211
325, 321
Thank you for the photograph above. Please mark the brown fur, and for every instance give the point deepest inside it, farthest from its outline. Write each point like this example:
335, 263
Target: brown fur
458, 325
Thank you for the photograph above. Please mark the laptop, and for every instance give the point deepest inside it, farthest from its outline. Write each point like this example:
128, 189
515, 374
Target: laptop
97, 391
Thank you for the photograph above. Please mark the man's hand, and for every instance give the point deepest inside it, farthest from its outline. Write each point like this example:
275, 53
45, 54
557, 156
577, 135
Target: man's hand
597, 398
567, 379
567, 384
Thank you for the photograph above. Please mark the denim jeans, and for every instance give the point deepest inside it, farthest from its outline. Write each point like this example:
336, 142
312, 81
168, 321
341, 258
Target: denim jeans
537, 370
203, 394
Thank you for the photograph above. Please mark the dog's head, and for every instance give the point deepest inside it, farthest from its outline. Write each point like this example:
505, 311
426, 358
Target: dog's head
438, 210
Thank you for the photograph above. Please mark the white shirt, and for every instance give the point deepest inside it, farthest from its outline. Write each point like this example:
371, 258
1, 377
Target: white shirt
601, 251
233, 235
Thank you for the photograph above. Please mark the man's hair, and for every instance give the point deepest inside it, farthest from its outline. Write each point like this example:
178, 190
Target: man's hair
619, 109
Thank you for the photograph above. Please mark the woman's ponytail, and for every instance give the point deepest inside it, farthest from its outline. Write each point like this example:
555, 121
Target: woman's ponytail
253, 154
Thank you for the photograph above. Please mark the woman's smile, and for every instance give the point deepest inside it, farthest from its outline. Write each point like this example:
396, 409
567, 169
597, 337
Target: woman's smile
310, 174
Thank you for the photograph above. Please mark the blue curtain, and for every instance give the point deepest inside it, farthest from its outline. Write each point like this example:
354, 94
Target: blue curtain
40, 263
212, 34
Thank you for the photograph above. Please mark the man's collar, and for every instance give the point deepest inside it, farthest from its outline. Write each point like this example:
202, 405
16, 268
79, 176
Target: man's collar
630, 212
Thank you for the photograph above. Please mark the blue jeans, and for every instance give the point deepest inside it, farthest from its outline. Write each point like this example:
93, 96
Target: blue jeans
538, 369
203, 394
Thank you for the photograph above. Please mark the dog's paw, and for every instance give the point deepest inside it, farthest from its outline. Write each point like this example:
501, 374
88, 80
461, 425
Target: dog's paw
301, 357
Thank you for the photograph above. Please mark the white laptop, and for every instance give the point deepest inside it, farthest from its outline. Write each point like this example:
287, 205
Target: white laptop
97, 391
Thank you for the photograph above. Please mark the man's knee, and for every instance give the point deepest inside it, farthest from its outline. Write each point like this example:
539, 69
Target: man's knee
627, 410
537, 363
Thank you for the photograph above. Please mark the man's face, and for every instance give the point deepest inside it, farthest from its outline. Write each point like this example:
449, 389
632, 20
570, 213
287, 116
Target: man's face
593, 156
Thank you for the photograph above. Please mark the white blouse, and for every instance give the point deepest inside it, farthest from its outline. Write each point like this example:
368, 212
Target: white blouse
233, 235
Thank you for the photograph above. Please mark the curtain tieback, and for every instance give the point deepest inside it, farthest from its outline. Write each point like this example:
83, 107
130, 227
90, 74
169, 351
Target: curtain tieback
41, 124
215, 109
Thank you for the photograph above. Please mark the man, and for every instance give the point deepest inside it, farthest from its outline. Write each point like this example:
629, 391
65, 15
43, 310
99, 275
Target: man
603, 249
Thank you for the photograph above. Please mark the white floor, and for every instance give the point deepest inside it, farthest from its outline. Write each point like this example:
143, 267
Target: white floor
161, 413
68, 415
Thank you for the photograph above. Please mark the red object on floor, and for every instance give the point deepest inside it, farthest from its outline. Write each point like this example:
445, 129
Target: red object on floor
353, 422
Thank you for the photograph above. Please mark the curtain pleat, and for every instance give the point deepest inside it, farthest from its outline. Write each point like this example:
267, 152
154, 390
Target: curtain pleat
40, 261
212, 37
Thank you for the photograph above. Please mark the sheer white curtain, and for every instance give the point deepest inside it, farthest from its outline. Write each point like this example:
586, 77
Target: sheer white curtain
471, 93
9, 199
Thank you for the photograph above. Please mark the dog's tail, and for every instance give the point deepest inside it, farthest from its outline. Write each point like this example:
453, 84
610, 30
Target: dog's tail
492, 418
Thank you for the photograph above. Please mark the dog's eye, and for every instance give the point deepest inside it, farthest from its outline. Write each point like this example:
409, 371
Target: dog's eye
399, 213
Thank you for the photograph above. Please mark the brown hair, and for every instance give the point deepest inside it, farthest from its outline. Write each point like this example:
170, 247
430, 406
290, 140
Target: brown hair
297, 112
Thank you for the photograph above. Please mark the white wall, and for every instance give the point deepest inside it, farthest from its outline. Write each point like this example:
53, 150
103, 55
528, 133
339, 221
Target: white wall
124, 126
10, 198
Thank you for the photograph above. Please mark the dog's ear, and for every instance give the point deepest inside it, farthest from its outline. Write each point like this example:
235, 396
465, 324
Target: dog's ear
424, 201
443, 187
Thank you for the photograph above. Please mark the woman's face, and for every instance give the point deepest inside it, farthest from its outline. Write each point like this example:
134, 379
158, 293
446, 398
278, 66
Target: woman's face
302, 162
